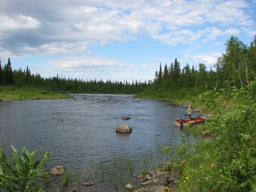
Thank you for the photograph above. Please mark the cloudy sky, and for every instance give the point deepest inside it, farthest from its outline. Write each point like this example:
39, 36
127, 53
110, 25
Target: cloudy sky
119, 39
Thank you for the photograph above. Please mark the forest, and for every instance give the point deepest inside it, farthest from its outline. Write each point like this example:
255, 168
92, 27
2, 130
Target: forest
23, 78
234, 69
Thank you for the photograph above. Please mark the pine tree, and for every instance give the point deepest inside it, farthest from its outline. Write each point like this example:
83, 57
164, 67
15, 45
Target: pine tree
187, 75
177, 70
160, 75
165, 75
156, 77
28, 74
9, 73
171, 72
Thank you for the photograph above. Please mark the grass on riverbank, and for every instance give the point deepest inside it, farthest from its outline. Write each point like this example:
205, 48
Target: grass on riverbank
227, 161
9, 93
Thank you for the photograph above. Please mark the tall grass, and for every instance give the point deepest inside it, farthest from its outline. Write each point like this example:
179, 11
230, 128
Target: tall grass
8, 93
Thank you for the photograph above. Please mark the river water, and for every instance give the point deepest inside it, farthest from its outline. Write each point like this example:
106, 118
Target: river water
81, 131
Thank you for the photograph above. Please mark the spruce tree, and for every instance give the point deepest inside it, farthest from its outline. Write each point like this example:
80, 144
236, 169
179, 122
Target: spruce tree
9, 73
187, 75
160, 75
177, 69
165, 75
171, 72
156, 77
28, 74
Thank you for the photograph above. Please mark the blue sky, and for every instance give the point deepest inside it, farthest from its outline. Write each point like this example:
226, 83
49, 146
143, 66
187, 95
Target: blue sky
119, 40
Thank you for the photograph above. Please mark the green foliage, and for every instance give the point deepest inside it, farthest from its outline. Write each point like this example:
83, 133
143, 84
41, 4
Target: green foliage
208, 98
181, 152
23, 78
234, 69
237, 151
12, 92
22, 171
8, 73
144, 172
227, 161
68, 178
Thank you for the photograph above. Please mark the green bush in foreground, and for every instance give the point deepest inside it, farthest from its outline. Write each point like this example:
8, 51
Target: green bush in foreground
22, 171
228, 162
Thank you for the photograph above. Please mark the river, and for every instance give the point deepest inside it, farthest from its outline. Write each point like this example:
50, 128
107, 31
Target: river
80, 131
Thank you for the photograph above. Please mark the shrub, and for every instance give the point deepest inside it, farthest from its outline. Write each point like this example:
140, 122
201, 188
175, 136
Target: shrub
22, 171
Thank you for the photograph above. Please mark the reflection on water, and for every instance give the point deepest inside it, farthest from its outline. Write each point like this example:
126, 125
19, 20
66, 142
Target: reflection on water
81, 130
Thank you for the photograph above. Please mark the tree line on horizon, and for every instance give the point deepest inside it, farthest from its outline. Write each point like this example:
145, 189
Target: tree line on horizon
21, 78
234, 69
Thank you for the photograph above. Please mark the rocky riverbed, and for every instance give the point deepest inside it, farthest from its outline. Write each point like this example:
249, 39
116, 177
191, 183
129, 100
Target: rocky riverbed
162, 179
158, 179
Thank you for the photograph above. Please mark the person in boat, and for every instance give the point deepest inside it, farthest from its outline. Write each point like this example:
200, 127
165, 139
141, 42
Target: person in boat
189, 111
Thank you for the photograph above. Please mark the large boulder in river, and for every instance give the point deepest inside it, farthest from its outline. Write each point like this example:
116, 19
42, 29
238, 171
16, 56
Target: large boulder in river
123, 129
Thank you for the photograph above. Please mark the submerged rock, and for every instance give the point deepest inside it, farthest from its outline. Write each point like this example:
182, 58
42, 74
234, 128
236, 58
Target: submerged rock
58, 170
126, 118
123, 129
88, 184
129, 186
158, 179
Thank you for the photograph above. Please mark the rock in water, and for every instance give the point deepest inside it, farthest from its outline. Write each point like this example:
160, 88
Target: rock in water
129, 186
58, 170
126, 118
88, 184
123, 129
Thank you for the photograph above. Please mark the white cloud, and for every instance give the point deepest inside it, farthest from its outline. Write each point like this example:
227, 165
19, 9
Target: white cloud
249, 31
232, 31
208, 60
110, 21
17, 22
100, 68
83, 63
228, 12
215, 33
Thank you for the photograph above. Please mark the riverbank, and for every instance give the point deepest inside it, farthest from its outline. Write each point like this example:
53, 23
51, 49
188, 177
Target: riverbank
10, 93
226, 163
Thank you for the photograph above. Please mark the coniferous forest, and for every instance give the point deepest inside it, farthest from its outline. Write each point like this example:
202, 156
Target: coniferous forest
234, 69
23, 78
